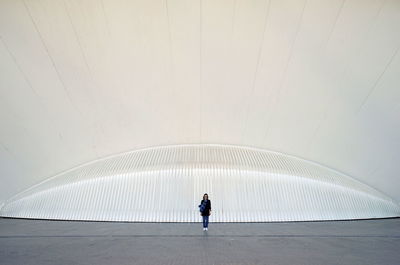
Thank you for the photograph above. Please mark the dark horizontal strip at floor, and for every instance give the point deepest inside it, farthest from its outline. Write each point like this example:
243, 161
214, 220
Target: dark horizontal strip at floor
204, 235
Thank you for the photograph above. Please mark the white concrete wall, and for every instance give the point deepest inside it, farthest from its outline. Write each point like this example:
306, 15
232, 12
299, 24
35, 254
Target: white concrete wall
81, 80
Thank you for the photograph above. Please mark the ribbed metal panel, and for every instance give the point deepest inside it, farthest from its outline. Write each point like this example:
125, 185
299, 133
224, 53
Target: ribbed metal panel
165, 184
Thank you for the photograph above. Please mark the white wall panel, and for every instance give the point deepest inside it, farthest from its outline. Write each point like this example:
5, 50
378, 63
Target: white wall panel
85, 79
166, 184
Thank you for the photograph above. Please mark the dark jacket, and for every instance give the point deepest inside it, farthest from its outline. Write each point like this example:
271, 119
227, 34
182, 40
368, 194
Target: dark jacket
207, 210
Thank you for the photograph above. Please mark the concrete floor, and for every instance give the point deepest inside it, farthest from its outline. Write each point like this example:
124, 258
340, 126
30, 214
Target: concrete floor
323, 243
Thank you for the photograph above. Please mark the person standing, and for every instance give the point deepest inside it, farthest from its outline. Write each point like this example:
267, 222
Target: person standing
205, 210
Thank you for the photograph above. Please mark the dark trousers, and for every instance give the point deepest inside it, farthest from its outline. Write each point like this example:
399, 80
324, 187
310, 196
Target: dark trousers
205, 221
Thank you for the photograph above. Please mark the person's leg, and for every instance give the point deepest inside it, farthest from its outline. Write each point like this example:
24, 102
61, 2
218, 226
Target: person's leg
206, 222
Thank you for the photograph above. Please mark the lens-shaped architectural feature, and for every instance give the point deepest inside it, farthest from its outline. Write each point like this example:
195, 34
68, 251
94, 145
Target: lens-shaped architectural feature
166, 184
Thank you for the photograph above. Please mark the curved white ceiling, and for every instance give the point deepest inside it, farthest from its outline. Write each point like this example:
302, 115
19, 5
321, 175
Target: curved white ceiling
80, 80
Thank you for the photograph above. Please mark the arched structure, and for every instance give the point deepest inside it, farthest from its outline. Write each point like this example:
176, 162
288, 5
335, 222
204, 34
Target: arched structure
165, 184
81, 80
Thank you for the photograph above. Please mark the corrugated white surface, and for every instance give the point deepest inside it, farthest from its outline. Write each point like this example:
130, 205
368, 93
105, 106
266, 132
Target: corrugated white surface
165, 184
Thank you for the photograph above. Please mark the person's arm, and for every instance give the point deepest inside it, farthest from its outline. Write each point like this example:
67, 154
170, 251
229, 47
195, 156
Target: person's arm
210, 206
201, 204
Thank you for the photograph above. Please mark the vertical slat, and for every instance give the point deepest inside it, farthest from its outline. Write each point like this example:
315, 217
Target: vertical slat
166, 184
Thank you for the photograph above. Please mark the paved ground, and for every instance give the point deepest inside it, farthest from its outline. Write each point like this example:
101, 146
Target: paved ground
323, 243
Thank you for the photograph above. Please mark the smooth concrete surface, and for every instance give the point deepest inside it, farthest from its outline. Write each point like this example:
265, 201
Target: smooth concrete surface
60, 242
82, 80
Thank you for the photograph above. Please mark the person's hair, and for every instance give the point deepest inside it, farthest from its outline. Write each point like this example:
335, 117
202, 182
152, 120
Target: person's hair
205, 196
